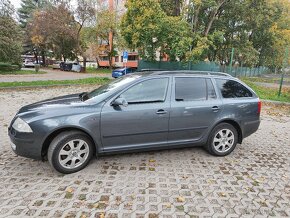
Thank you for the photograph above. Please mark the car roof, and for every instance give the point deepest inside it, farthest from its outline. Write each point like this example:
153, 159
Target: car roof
181, 73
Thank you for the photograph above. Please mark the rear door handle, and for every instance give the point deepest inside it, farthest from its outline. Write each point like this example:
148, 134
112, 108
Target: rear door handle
215, 108
161, 111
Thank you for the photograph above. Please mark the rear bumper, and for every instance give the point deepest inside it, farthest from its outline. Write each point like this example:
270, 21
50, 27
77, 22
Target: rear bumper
23, 144
250, 127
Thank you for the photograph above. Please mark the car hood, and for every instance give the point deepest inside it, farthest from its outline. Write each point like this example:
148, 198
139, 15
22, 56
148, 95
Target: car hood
53, 103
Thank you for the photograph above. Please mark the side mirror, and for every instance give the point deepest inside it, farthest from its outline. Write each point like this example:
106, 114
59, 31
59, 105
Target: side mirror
120, 101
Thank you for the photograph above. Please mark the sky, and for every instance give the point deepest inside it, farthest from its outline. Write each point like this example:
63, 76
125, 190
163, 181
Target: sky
16, 3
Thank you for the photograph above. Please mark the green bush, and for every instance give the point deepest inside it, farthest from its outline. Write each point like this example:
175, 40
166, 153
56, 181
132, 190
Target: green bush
8, 67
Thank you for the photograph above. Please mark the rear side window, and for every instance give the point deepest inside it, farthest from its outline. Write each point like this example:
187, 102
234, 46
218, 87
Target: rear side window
232, 89
193, 89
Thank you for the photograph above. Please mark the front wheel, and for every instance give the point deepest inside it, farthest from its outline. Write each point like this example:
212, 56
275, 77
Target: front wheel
70, 151
222, 140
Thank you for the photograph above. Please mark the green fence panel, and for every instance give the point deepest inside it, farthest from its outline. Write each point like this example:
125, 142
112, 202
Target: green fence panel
203, 66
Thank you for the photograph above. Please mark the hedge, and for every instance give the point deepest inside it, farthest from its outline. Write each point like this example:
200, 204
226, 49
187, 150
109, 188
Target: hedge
8, 67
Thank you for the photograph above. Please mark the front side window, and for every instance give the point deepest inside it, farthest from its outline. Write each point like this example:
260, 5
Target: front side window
149, 91
232, 89
190, 89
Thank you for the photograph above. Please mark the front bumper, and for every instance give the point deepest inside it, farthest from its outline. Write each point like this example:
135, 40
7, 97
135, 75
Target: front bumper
23, 144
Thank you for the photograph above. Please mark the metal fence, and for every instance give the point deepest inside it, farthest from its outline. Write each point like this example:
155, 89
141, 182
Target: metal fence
203, 66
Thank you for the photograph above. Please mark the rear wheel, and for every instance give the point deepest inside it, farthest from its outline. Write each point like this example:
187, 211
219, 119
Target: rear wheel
222, 140
70, 151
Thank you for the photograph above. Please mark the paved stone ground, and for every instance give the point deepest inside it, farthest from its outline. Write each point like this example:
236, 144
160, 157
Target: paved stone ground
50, 75
252, 181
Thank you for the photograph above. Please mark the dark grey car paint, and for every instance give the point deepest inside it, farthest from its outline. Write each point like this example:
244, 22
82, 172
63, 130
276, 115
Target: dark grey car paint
136, 127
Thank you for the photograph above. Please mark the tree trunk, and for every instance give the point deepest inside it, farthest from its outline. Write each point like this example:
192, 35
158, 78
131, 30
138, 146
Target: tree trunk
36, 56
211, 19
213, 16
98, 62
43, 58
177, 8
110, 60
195, 21
85, 63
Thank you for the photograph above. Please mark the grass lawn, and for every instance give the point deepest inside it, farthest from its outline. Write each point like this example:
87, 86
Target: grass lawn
98, 70
94, 80
265, 79
267, 93
21, 72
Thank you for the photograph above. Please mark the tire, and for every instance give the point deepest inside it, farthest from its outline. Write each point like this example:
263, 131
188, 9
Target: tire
222, 140
70, 151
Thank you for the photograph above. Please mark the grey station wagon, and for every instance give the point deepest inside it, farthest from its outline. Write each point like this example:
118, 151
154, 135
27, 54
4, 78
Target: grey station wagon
138, 112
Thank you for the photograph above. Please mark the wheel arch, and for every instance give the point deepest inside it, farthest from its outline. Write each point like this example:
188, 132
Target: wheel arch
236, 125
52, 135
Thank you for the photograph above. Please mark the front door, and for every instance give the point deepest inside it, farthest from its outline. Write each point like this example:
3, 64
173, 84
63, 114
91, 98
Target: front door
143, 123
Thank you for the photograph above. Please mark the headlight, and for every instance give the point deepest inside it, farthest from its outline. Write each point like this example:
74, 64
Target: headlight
21, 126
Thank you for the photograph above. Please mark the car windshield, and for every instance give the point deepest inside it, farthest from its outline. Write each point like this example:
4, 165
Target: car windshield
103, 90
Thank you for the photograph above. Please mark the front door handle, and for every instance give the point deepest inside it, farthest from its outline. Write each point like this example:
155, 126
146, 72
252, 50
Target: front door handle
215, 108
161, 111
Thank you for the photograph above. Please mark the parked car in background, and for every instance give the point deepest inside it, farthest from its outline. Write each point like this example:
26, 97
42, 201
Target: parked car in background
29, 63
122, 71
70, 66
56, 65
138, 112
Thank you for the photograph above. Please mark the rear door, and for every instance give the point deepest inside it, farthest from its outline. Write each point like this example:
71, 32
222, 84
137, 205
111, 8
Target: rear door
194, 108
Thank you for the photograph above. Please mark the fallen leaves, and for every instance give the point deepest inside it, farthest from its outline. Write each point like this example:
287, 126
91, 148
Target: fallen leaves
180, 199
70, 190
69, 193
222, 194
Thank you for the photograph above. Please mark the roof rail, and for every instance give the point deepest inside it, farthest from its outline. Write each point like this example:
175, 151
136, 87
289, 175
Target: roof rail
213, 73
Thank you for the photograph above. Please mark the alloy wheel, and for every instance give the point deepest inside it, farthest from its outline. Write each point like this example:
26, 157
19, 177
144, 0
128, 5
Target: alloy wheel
223, 140
73, 154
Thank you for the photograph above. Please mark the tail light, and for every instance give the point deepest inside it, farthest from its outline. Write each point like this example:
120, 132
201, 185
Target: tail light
259, 106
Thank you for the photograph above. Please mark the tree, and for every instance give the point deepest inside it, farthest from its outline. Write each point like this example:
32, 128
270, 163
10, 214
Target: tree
25, 12
56, 29
142, 27
6, 8
10, 37
106, 27
177, 40
146, 27
251, 27
85, 14
171, 7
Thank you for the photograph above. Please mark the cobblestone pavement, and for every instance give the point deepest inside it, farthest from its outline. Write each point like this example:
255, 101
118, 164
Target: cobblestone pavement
252, 181
51, 75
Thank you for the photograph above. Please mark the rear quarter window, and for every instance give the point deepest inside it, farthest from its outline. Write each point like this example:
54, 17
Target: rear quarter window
232, 89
